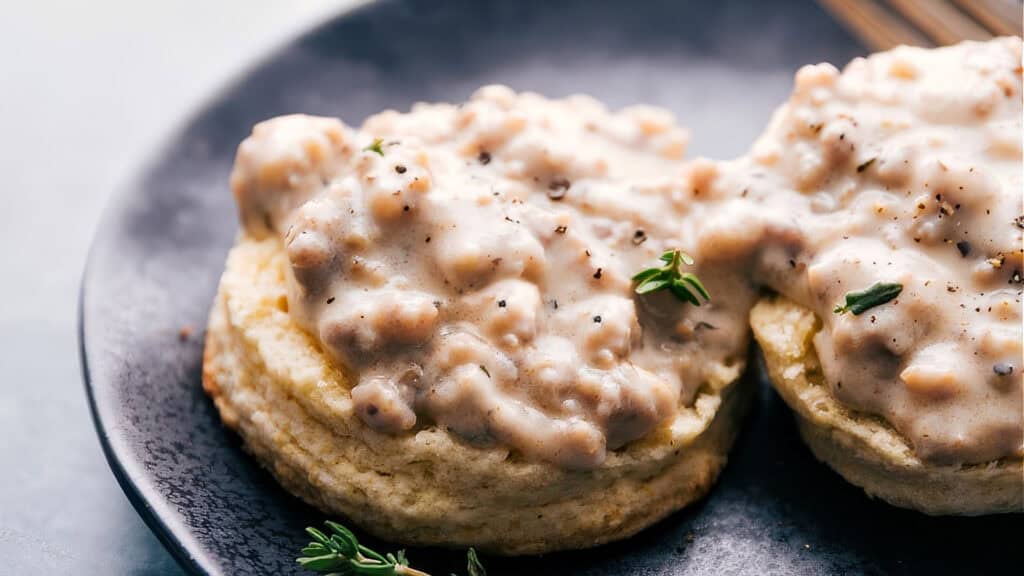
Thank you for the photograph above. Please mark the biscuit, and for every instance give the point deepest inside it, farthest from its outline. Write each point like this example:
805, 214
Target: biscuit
292, 405
865, 449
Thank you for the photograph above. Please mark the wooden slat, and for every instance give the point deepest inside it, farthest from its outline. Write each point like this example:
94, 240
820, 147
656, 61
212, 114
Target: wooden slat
940, 20
874, 25
1002, 17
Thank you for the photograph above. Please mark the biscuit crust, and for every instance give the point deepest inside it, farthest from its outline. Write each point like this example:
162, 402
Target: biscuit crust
864, 449
292, 406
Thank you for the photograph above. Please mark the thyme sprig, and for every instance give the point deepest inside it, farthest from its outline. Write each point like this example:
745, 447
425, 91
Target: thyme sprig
683, 285
341, 554
861, 301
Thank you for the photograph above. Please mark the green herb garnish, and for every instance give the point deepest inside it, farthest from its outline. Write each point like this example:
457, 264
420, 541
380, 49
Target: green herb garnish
684, 285
473, 565
860, 301
341, 554
376, 146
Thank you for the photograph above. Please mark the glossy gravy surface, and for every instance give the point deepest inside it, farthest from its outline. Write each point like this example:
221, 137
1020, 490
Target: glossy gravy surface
470, 265
905, 168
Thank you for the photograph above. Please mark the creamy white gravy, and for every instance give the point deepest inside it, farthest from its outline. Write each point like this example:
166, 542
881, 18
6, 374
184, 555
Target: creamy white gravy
472, 269
906, 168
470, 266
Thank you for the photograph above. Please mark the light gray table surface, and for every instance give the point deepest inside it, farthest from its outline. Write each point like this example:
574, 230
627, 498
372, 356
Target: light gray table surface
87, 91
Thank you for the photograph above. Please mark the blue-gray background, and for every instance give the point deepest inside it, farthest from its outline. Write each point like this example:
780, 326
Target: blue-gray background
88, 89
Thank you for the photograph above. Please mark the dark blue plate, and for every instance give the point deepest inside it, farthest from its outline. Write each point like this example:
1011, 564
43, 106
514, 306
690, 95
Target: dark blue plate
722, 67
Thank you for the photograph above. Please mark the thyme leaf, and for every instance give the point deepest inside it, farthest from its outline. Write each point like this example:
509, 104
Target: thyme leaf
376, 146
473, 565
860, 301
683, 285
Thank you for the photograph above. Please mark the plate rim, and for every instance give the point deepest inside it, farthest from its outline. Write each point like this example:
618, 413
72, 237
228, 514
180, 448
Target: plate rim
189, 556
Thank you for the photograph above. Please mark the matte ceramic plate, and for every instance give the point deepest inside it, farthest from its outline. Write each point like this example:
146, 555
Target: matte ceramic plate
722, 67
